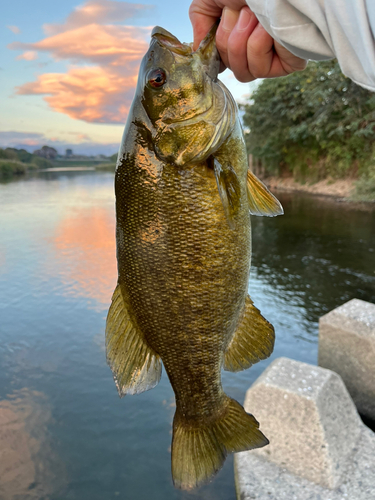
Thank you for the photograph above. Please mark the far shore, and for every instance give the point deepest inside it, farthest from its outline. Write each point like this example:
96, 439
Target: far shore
66, 169
342, 188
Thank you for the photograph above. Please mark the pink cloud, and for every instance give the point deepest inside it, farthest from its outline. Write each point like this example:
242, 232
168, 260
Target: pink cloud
89, 94
104, 45
31, 142
14, 29
101, 93
97, 12
29, 55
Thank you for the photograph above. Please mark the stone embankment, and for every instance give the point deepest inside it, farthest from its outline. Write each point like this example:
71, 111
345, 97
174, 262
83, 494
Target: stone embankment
319, 447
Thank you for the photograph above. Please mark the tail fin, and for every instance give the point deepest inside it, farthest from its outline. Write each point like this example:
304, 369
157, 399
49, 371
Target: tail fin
199, 449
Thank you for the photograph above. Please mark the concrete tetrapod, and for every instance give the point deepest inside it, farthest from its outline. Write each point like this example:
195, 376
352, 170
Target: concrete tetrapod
347, 346
319, 448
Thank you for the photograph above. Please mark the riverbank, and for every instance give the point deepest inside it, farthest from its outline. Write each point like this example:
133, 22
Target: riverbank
343, 188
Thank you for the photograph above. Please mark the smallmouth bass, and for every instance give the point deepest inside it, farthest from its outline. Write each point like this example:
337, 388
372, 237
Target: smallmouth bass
184, 195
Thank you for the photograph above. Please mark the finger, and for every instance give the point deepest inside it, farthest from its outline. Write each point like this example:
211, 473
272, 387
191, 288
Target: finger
260, 52
237, 45
289, 61
228, 21
269, 59
203, 14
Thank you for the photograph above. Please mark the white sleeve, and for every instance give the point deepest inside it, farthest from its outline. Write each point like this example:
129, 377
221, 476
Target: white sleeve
323, 29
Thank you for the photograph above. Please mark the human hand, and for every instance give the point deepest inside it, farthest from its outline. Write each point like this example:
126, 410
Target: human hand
244, 45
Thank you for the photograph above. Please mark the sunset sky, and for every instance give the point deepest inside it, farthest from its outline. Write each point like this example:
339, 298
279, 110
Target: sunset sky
68, 70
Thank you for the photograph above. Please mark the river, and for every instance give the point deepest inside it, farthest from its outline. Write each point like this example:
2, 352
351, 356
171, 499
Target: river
64, 432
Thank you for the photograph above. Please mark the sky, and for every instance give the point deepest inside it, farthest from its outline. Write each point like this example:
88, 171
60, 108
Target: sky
68, 70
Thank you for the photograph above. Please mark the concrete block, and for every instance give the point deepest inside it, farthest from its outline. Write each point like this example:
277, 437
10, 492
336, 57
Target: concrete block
347, 346
309, 418
319, 448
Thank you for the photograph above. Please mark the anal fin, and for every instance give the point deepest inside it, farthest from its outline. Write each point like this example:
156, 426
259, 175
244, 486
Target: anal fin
252, 341
135, 366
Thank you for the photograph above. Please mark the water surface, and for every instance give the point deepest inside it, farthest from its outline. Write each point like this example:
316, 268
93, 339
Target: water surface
64, 433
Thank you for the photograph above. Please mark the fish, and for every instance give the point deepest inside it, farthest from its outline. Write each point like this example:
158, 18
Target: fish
184, 196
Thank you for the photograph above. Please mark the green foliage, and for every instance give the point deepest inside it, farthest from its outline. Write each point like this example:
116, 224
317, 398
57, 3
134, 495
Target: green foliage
19, 161
16, 154
8, 154
8, 168
113, 158
315, 123
40, 162
365, 188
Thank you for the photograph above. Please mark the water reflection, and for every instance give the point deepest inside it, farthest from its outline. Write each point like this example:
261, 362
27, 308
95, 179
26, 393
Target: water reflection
85, 253
29, 468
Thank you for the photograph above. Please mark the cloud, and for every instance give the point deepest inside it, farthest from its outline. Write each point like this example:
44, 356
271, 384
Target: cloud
97, 12
121, 46
11, 138
29, 467
100, 85
14, 29
89, 94
29, 55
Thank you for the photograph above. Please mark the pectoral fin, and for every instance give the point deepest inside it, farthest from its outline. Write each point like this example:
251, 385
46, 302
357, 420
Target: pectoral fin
261, 200
229, 190
135, 366
252, 341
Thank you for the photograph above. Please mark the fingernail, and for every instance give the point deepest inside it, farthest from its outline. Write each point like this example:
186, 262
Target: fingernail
244, 19
229, 19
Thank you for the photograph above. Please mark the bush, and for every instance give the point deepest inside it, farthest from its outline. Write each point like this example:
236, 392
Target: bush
365, 188
8, 168
23, 155
16, 154
8, 154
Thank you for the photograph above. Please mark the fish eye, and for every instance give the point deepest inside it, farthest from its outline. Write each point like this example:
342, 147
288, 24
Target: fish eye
157, 78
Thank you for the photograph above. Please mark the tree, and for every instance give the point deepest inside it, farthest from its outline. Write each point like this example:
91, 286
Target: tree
313, 123
46, 152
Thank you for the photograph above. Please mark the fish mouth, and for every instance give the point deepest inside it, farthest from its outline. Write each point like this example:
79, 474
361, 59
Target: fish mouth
170, 42
206, 51
210, 60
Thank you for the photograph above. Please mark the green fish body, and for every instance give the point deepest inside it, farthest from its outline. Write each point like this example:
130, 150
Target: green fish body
183, 198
